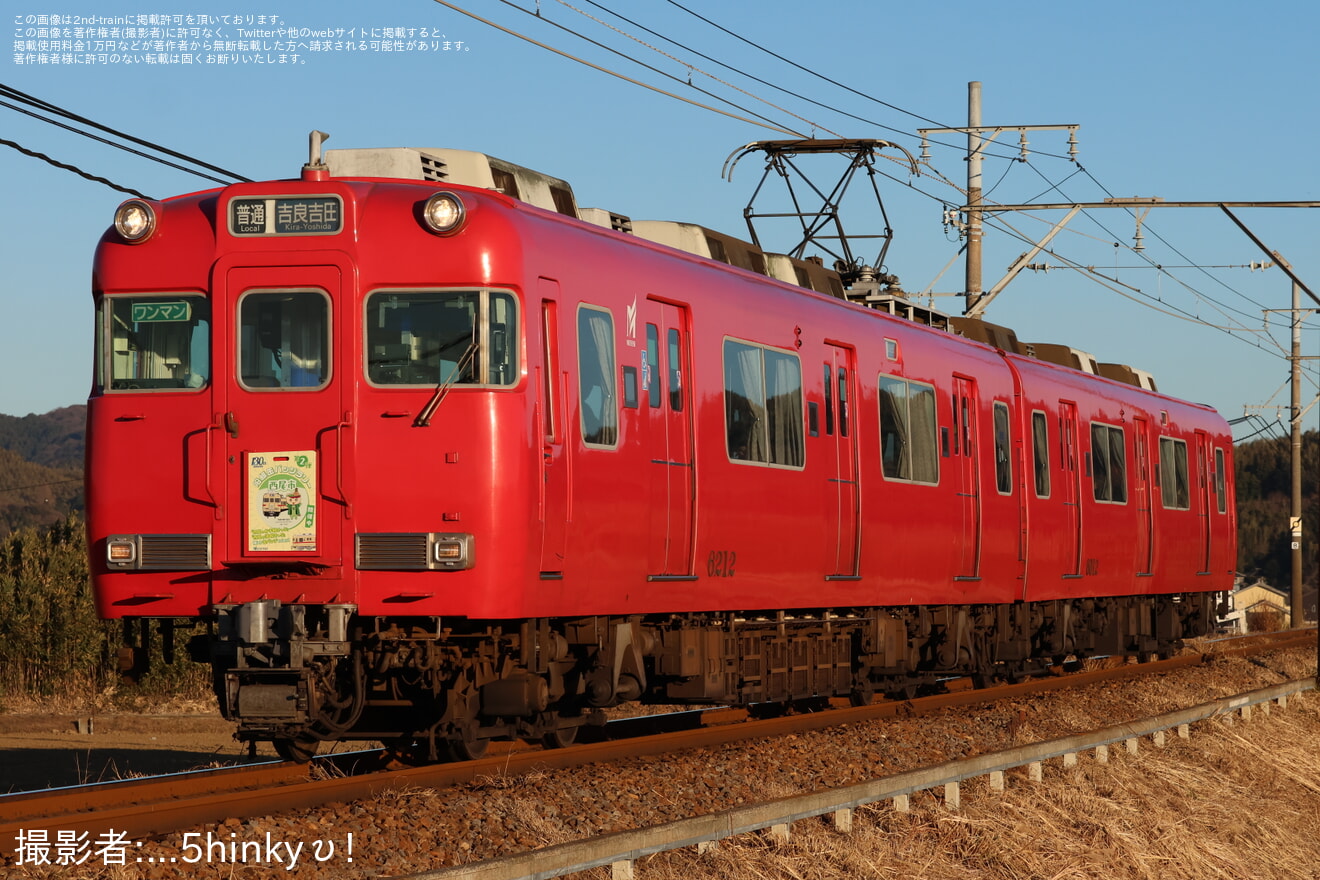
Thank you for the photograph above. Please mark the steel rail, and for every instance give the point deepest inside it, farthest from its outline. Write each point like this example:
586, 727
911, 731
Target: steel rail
162, 807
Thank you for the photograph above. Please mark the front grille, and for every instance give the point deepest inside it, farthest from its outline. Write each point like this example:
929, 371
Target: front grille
175, 552
392, 550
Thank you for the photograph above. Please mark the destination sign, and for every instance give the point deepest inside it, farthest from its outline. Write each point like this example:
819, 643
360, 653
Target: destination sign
161, 312
286, 215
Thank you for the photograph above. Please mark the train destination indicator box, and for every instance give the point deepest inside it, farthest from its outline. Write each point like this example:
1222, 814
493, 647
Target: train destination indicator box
286, 215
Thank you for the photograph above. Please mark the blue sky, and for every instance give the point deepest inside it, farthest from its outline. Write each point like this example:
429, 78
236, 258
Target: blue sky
1207, 101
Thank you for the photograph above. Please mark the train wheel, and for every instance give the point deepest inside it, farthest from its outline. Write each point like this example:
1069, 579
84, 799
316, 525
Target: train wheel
559, 738
466, 745
299, 749
862, 695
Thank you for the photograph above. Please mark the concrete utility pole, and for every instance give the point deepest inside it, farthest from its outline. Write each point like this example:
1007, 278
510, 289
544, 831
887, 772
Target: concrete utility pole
973, 287
978, 138
1298, 610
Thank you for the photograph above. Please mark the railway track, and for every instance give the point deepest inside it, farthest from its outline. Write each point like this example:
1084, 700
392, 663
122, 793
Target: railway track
155, 806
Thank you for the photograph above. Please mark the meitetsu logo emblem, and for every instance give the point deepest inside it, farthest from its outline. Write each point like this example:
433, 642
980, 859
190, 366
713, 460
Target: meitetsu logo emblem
281, 510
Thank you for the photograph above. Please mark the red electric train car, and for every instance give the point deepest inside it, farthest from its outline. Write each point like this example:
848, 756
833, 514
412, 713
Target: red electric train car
437, 465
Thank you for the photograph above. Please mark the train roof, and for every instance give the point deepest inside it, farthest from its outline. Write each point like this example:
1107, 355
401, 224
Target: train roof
468, 168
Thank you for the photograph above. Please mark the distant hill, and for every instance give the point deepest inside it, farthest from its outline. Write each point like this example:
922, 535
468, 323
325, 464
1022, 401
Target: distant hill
55, 439
1264, 492
41, 467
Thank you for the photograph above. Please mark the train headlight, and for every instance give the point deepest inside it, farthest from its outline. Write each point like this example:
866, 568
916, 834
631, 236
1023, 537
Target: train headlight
121, 551
135, 221
444, 213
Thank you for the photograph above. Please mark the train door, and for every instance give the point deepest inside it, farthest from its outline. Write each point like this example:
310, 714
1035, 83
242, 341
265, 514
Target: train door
1070, 489
668, 404
1203, 499
1141, 493
840, 392
967, 475
283, 411
550, 381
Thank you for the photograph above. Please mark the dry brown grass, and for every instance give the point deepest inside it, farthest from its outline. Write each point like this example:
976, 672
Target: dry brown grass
1240, 800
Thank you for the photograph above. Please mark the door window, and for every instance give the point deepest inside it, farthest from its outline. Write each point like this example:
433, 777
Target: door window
284, 340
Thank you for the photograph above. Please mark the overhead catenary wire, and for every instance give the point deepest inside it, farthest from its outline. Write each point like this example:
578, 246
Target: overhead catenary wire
694, 69
764, 123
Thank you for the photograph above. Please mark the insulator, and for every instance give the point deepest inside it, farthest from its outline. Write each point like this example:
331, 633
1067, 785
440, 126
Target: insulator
1072, 144
925, 151
1022, 143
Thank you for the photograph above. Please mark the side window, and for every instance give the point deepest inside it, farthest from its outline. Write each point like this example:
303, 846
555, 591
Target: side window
630, 387
1040, 442
895, 447
763, 405
1220, 483
1109, 463
284, 340
908, 449
1175, 493
1003, 445
599, 401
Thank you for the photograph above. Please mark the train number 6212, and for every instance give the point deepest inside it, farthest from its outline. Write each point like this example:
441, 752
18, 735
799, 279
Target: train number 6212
720, 563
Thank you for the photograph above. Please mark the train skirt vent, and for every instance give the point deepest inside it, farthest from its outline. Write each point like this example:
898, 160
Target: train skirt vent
393, 551
174, 552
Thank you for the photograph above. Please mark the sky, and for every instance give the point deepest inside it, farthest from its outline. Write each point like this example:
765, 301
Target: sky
1209, 101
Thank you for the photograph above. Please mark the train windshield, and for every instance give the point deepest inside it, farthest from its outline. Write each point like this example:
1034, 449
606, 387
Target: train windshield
153, 343
432, 337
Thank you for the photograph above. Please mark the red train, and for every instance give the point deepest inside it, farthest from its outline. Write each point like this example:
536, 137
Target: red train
438, 466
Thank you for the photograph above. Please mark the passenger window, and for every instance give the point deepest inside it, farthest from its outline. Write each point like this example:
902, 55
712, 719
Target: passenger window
599, 403
1175, 493
1220, 485
1003, 461
284, 340
1109, 463
763, 405
908, 446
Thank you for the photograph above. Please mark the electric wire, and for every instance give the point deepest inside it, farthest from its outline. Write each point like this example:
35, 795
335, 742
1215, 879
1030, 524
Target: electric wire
76, 170
693, 68
111, 143
834, 82
765, 123
47, 107
1171, 247
786, 91
40, 485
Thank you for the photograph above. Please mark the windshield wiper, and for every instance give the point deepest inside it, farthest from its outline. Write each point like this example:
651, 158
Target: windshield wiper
442, 390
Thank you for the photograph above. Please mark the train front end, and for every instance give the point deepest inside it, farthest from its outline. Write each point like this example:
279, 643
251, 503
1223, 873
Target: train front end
305, 429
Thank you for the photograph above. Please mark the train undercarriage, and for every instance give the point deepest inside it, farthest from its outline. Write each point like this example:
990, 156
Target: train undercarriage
437, 689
